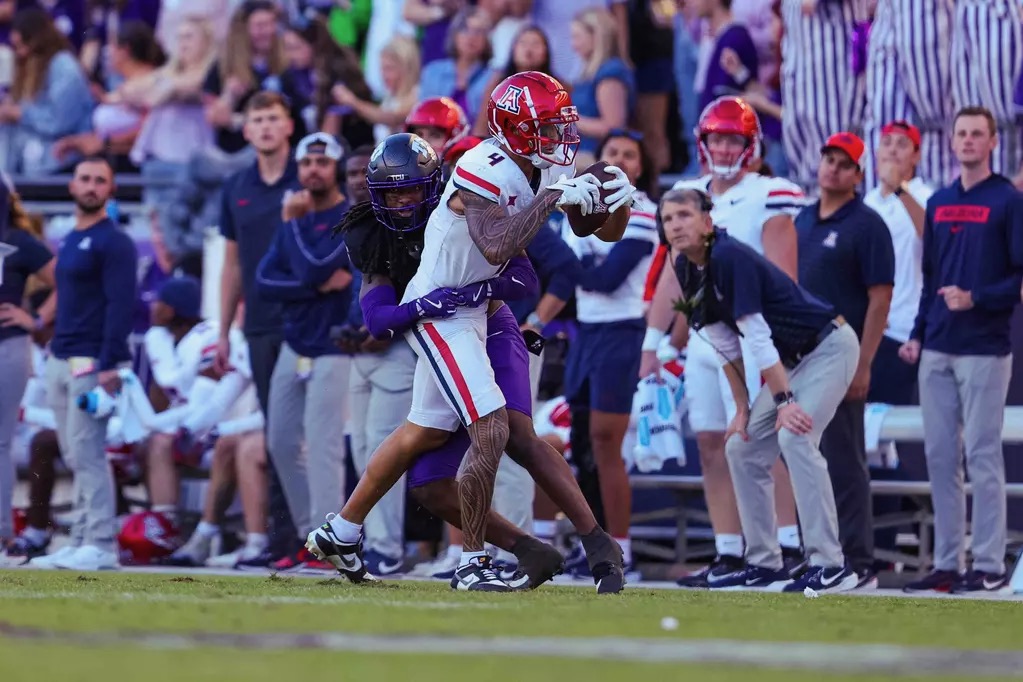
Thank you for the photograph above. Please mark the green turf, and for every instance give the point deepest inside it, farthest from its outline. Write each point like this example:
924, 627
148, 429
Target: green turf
119, 602
43, 662
106, 601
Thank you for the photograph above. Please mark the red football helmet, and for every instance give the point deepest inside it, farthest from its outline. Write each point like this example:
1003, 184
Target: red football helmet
456, 149
439, 112
532, 115
729, 116
145, 537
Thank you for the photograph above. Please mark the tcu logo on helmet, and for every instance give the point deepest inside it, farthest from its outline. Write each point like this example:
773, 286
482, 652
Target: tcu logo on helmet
510, 100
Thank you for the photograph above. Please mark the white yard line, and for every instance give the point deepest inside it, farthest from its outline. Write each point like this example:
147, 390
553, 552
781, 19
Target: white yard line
325, 600
833, 658
559, 581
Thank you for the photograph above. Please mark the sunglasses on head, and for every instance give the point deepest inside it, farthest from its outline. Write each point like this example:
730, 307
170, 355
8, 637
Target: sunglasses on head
633, 135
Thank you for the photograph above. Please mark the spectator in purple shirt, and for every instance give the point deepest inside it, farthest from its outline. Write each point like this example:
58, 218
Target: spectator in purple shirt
712, 79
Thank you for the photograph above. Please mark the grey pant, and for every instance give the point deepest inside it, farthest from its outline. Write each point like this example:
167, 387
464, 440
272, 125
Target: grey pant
15, 368
308, 410
82, 440
819, 383
381, 395
962, 399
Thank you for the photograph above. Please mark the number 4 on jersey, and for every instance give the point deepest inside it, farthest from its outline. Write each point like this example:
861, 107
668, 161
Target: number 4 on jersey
495, 158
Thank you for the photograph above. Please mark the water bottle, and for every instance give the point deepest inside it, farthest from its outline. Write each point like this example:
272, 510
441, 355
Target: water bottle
97, 402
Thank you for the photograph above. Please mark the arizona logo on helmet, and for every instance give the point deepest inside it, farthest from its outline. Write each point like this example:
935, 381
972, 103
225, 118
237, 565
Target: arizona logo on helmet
510, 100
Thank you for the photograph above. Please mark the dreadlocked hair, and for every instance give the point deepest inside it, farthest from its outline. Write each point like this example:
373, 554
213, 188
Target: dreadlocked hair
380, 249
356, 215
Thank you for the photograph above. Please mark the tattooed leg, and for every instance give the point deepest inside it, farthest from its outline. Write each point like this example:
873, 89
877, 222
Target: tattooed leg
489, 437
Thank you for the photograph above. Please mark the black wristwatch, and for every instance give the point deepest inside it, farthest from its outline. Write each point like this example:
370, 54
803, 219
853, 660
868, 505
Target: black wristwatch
899, 191
784, 398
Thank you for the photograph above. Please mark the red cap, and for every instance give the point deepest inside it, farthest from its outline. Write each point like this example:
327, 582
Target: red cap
906, 128
848, 143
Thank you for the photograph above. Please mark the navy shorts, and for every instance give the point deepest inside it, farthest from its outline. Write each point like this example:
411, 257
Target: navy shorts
603, 366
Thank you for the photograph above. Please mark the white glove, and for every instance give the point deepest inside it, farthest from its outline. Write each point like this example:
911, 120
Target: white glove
625, 190
582, 191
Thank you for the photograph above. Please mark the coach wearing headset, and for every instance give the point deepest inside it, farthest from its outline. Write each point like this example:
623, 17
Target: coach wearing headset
807, 357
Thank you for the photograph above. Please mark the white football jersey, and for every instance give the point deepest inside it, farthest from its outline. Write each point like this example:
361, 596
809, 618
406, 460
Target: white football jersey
450, 258
750, 203
175, 367
625, 302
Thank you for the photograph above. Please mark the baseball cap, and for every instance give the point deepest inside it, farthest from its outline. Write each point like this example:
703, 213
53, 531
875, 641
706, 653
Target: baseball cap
846, 142
901, 127
183, 294
319, 143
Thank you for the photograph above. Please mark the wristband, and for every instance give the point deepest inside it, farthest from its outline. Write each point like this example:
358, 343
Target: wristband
666, 352
652, 339
534, 320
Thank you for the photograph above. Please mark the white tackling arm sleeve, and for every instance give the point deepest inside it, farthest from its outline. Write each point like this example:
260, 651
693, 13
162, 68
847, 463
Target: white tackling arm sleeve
758, 340
204, 416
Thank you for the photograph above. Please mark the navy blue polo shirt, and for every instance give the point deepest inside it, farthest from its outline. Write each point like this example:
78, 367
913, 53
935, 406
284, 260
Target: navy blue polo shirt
96, 282
843, 255
30, 257
746, 283
250, 213
301, 259
973, 239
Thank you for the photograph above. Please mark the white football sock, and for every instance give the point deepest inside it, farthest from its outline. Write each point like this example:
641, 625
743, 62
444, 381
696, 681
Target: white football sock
346, 530
788, 536
729, 544
470, 558
207, 530
545, 530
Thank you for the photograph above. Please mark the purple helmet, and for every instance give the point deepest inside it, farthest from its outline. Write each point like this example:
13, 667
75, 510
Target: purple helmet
404, 161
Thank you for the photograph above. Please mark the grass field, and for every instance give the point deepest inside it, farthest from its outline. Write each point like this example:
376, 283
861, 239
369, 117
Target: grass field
156, 628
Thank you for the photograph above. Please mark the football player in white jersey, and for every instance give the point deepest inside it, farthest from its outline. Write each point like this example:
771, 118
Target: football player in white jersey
181, 348
499, 195
759, 211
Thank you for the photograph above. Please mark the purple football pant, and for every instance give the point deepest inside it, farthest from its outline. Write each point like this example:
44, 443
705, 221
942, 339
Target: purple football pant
510, 360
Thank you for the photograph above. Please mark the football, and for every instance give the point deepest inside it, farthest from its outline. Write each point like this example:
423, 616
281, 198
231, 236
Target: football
584, 225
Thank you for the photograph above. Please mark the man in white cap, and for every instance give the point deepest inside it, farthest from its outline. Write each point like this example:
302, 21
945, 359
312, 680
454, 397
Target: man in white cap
308, 270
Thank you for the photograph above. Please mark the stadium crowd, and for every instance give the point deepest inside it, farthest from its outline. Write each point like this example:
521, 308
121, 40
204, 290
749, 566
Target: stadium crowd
868, 136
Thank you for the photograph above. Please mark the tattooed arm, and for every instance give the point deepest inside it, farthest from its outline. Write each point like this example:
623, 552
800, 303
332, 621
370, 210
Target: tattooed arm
500, 236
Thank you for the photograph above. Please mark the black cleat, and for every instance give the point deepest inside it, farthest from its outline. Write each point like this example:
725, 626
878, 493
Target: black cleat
538, 563
346, 557
606, 560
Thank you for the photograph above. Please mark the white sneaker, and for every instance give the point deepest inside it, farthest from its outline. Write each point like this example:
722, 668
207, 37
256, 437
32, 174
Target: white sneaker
442, 567
50, 560
227, 560
89, 558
